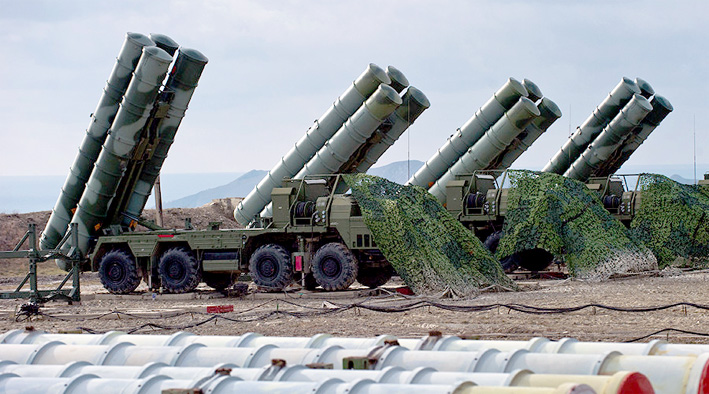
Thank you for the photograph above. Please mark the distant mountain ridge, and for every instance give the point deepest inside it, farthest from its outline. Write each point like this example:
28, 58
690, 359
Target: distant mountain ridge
39, 193
239, 187
396, 172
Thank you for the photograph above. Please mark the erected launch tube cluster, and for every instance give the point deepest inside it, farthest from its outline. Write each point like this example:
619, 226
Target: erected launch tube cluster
499, 132
613, 131
128, 139
350, 136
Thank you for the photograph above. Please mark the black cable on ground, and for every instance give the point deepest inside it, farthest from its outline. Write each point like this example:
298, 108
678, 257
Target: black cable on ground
313, 311
244, 316
668, 330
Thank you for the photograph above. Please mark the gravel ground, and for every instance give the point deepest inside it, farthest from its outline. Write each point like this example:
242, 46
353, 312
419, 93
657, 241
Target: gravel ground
318, 312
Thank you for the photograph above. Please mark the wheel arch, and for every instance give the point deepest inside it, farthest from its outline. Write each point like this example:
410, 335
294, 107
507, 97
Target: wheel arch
106, 247
161, 247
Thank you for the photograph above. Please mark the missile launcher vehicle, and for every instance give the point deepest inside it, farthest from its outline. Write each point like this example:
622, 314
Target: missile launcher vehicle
301, 226
473, 190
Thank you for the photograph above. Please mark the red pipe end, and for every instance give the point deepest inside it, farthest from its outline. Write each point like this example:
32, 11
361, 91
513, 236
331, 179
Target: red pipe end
704, 380
636, 383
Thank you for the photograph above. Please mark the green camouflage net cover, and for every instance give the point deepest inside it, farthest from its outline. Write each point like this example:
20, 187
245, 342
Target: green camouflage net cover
672, 219
431, 251
565, 218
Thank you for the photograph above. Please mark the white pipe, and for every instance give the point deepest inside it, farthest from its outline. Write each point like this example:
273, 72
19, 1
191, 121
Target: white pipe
87, 383
620, 382
447, 343
185, 338
684, 372
655, 347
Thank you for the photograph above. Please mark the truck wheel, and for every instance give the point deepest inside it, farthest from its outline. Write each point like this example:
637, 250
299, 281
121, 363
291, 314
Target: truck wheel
492, 241
118, 272
509, 263
270, 267
374, 277
334, 267
179, 270
218, 282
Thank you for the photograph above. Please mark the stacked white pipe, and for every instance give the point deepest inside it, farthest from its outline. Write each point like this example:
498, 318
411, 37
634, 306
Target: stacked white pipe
671, 368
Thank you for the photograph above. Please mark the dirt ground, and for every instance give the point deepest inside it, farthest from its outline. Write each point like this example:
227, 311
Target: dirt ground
317, 312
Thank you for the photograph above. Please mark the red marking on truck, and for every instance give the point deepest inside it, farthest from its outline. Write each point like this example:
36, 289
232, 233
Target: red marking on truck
165, 235
298, 263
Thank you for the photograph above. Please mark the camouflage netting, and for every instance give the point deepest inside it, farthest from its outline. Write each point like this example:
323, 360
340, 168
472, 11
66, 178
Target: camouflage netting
564, 217
673, 219
431, 251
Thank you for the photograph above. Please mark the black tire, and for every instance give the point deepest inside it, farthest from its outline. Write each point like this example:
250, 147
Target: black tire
217, 281
270, 267
492, 241
534, 259
179, 270
118, 272
334, 267
510, 263
374, 277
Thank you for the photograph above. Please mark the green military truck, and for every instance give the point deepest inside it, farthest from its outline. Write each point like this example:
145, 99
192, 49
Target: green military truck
316, 237
298, 227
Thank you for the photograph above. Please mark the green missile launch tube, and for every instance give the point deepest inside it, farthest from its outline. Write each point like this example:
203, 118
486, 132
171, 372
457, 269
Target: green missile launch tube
355, 132
549, 113
398, 79
180, 85
165, 43
414, 102
661, 107
534, 93
646, 89
352, 135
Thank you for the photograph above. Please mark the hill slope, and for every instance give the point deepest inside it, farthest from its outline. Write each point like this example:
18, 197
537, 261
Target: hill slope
239, 187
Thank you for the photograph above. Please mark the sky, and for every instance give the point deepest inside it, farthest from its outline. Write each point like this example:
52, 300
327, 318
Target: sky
276, 66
